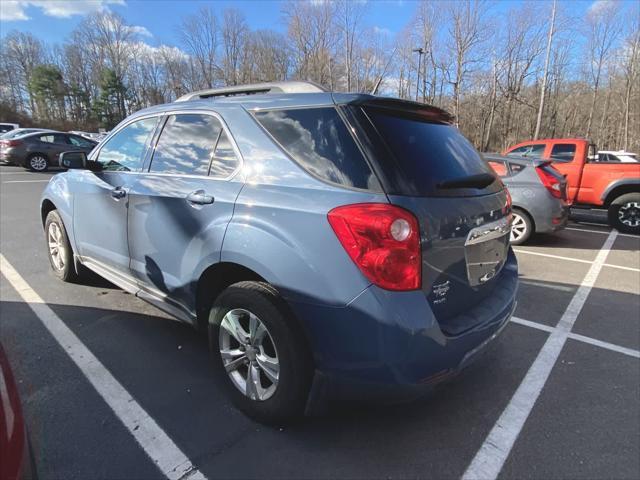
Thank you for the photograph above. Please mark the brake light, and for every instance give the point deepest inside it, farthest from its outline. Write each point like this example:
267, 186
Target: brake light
11, 143
551, 183
383, 241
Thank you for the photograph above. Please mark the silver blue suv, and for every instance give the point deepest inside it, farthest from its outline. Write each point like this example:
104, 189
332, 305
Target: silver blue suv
332, 245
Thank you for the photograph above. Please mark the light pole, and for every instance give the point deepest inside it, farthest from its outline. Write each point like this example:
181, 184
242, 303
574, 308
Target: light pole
420, 52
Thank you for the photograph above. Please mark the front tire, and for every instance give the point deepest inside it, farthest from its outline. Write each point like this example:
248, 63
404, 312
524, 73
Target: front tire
259, 355
521, 228
37, 163
624, 213
58, 248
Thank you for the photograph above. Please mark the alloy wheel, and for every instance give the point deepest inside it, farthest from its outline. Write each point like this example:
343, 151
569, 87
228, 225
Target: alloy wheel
38, 163
629, 214
518, 227
57, 248
249, 354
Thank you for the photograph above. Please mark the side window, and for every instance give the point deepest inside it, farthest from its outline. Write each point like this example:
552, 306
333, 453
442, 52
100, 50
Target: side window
536, 150
563, 152
224, 158
319, 141
46, 138
80, 142
61, 139
186, 144
123, 152
499, 167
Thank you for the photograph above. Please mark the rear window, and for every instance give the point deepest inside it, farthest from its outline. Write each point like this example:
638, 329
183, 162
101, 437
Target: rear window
563, 152
319, 141
499, 167
423, 155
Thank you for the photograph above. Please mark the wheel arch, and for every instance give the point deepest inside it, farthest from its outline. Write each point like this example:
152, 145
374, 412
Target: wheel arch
46, 207
217, 277
521, 209
619, 189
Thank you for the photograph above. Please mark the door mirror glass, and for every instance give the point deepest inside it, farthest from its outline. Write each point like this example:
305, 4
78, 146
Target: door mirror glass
73, 160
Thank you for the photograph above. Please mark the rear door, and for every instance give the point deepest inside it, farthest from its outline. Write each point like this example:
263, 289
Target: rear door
180, 206
565, 157
430, 169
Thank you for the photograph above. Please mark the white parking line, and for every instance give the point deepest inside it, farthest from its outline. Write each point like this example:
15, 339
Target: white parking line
571, 259
581, 338
549, 255
171, 461
489, 460
604, 232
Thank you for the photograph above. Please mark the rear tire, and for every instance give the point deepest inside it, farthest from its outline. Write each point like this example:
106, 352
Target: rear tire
624, 213
37, 163
274, 353
59, 249
521, 228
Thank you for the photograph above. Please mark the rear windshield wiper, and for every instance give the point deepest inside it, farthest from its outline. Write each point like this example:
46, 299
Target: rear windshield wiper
480, 180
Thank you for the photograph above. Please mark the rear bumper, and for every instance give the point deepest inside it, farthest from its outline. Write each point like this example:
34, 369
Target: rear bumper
390, 345
551, 216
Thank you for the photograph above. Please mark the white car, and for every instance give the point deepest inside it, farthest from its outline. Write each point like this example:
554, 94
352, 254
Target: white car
6, 127
619, 156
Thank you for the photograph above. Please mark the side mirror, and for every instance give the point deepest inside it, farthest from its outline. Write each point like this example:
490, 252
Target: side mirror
73, 160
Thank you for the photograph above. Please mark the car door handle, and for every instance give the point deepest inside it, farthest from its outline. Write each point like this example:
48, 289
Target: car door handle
118, 193
199, 197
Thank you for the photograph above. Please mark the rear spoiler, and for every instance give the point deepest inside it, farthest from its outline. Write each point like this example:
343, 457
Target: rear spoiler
518, 159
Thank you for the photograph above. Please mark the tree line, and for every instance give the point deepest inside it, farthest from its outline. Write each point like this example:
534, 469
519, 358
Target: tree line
534, 70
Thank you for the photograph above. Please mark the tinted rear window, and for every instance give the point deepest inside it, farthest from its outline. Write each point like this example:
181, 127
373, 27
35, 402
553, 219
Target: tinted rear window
423, 154
319, 141
563, 152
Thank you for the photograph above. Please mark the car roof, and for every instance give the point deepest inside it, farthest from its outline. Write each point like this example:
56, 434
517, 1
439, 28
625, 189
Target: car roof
275, 96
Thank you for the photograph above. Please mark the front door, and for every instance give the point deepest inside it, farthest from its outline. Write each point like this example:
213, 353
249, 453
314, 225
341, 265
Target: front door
179, 209
101, 203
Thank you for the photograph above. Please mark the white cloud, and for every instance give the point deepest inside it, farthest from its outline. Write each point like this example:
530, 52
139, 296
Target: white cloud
11, 11
599, 7
382, 30
140, 30
16, 9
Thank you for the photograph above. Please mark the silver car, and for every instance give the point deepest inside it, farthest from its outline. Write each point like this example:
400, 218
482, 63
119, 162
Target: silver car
538, 192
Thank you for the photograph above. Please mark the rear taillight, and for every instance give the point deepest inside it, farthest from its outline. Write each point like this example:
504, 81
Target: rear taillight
384, 242
550, 182
11, 143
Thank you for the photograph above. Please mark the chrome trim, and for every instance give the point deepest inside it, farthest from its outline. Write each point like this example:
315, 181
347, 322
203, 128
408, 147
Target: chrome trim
489, 231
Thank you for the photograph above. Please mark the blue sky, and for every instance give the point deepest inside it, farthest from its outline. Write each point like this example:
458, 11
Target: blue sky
53, 20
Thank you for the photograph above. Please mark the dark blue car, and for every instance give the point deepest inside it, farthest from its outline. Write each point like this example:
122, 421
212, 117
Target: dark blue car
331, 244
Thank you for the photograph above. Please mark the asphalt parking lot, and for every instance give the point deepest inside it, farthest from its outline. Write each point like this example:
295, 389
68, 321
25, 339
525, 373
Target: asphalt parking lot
556, 396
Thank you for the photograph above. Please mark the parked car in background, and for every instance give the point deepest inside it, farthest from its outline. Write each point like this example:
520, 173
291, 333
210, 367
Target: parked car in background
538, 195
38, 151
96, 137
6, 127
620, 156
332, 244
611, 185
16, 462
18, 132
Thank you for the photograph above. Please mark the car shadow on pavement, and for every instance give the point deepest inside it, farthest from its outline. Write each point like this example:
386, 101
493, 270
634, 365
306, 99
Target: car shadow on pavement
165, 366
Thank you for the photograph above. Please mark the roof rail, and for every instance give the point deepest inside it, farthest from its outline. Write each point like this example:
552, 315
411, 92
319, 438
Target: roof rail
255, 88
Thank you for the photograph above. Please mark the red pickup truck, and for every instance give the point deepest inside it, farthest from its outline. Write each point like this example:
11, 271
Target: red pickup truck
611, 185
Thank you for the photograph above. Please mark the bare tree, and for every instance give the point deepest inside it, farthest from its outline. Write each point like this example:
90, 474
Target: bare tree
467, 32
603, 29
200, 36
545, 74
234, 33
631, 75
